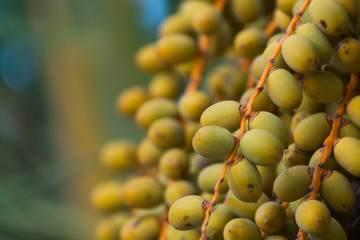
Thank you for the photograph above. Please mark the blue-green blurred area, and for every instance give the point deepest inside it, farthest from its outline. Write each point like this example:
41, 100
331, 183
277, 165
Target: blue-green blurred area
62, 65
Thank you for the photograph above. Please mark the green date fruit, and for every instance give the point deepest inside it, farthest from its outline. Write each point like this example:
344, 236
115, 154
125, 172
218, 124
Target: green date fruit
347, 154
284, 90
213, 142
305, 58
329, 16
270, 217
245, 180
241, 229
261, 147
187, 212
142, 192
292, 183
313, 216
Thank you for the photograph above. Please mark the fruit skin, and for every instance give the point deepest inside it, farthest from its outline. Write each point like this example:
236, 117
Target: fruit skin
334, 232
208, 177
192, 105
284, 90
155, 109
306, 57
245, 209
247, 11
174, 163
322, 86
268, 176
209, 196
142, 192
175, 234
348, 129
166, 85
261, 147
297, 118
347, 154
294, 156
147, 153
313, 216
309, 105
290, 229
330, 162
311, 32
245, 181
261, 103
226, 82
306, 16
187, 212
241, 229
129, 101
270, 217
285, 5
350, 6
224, 114
108, 228
275, 237
272, 123
176, 23
206, 20
166, 133
250, 42
118, 155
285, 117
279, 61
311, 132
341, 200
213, 142
191, 128
292, 183
149, 61
176, 48
141, 228
177, 190
106, 196
220, 216
353, 110
282, 19
329, 16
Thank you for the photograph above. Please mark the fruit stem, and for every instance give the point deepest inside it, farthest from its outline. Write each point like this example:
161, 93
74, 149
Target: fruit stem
198, 69
164, 225
220, 5
285, 204
336, 120
271, 28
196, 74
212, 204
270, 64
250, 81
246, 116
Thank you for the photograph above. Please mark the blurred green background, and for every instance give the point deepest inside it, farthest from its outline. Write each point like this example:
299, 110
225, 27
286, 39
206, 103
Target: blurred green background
62, 65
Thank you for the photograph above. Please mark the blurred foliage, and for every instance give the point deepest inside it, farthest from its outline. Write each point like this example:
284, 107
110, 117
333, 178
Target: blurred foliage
62, 64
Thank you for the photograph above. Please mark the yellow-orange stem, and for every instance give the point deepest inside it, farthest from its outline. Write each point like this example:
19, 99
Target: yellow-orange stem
246, 116
336, 120
271, 28
164, 225
212, 204
285, 204
197, 72
220, 5
245, 64
250, 81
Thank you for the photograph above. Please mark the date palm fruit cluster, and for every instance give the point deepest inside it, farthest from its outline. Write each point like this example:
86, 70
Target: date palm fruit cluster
190, 133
